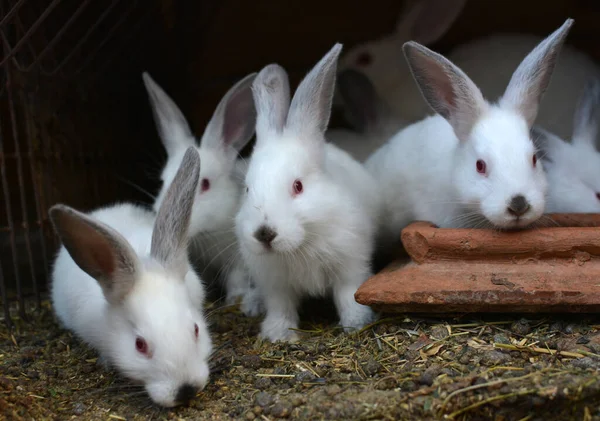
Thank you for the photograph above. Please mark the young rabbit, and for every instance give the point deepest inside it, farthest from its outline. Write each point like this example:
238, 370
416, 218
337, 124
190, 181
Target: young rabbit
122, 282
306, 223
381, 60
573, 168
373, 122
220, 187
474, 163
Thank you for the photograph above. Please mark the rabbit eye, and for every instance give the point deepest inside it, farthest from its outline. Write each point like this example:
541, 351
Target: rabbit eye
481, 166
364, 59
196, 330
534, 160
141, 345
204, 185
298, 188
598, 196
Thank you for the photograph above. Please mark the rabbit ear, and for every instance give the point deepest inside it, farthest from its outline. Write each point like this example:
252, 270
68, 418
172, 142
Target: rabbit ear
587, 115
546, 143
311, 106
426, 21
446, 88
98, 250
364, 108
172, 126
271, 93
532, 77
234, 120
170, 234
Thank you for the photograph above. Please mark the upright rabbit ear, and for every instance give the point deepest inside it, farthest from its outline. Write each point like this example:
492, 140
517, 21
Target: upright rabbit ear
426, 21
172, 126
234, 120
547, 144
446, 88
170, 235
529, 82
587, 115
98, 250
311, 106
363, 106
271, 93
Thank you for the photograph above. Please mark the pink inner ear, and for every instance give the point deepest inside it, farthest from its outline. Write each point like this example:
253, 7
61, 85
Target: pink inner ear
104, 258
364, 59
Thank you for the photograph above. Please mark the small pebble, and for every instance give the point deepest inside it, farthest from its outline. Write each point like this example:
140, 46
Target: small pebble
281, 409
250, 415
501, 338
521, 327
333, 390
386, 383
570, 328
263, 399
79, 408
439, 332
263, 383
305, 377
251, 361
585, 362
257, 410
371, 367
495, 358
583, 340
297, 399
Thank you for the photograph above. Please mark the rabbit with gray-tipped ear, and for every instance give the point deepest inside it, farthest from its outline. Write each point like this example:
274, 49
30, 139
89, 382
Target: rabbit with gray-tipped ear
216, 202
573, 168
308, 218
373, 123
474, 163
123, 284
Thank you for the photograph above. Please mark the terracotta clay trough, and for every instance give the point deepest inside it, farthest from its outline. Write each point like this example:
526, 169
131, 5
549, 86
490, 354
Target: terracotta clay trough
554, 269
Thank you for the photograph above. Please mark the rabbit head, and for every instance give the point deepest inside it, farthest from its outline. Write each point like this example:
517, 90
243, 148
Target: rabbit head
156, 332
288, 194
381, 60
497, 173
229, 130
573, 168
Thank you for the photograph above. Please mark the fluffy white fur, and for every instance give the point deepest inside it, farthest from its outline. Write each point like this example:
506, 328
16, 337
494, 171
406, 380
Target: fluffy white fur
488, 61
324, 235
156, 302
429, 169
573, 168
214, 247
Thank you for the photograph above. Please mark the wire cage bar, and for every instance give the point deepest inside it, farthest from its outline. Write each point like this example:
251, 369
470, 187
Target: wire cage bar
52, 56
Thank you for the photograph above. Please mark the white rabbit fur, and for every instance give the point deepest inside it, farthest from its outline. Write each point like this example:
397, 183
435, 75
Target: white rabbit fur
573, 168
373, 123
423, 21
123, 274
430, 170
231, 127
321, 233
488, 61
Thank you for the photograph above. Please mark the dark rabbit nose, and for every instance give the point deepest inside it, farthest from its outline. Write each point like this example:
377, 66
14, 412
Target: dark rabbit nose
518, 205
185, 394
265, 235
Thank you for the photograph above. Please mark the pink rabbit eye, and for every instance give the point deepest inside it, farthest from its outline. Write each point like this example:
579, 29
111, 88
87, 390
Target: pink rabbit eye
204, 184
298, 187
364, 59
534, 160
196, 330
141, 346
481, 167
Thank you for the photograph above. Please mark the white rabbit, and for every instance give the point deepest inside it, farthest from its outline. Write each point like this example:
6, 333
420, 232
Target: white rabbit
573, 168
307, 222
231, 127
474, 163
381, 60
122, 282
373, 122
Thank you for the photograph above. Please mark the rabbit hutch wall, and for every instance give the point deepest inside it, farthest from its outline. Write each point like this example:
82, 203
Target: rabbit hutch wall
75, 123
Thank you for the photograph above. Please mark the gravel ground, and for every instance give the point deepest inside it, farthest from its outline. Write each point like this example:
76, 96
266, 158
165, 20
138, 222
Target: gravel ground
404, 367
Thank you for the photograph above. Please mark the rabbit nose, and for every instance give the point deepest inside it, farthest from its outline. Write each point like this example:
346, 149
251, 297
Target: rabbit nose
518, 205
185, 394
265, 235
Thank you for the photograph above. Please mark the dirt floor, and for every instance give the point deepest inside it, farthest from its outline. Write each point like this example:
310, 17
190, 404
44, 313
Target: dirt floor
402, 368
